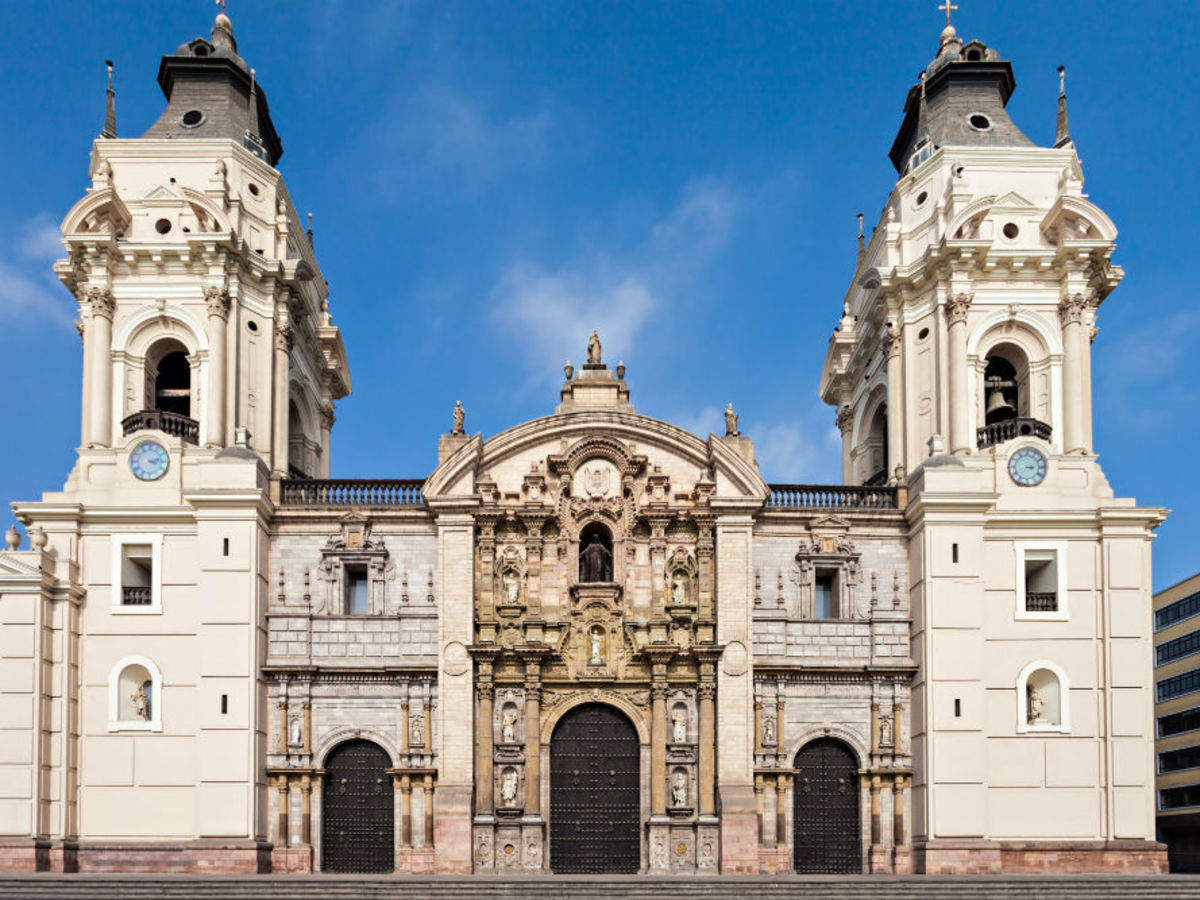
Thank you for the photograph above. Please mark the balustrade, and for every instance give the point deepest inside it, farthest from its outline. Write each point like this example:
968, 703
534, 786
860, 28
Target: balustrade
831, 496
999, 432
174, 424
351, 492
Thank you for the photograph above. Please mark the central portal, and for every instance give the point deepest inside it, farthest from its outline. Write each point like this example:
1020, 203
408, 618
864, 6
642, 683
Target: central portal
595, 780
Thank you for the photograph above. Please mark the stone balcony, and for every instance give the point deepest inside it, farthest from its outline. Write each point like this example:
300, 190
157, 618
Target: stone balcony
174, 424
999, 432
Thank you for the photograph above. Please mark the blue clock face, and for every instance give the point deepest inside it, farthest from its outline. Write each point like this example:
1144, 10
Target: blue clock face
1027, 467
149, 461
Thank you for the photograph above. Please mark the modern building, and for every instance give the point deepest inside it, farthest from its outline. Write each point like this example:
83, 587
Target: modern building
593, 641
1177, 714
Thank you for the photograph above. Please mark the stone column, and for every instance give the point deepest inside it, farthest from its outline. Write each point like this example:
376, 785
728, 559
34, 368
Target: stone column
780, 740
404, 723
758, 741
217, 300
306, 810
761, 808
956, 317
658, 743
327, 419
99, 374
306, 709
898, 811
533, 738
483, 739
428, 810
845, 425
82, 325
405, 811
284, 803
892, 345
1071, 311
780, 810
279, 434
282, 743
708, 741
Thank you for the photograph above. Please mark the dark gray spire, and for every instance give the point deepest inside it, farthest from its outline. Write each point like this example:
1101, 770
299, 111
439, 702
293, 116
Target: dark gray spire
110, 111
862, 244
1062, 130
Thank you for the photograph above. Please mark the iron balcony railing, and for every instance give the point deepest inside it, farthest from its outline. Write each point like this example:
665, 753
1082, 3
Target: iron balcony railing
352, 492
187, 430
135, 595
831, 496
1041, 601
999, 432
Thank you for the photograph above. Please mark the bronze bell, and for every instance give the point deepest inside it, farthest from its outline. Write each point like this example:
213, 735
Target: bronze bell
998, 403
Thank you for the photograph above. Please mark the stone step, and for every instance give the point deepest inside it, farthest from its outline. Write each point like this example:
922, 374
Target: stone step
335, 887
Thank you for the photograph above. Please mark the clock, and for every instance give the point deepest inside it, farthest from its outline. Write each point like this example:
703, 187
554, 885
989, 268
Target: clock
149, 461
1027, 467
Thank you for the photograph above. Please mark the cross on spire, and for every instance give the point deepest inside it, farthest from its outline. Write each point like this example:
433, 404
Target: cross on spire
221, 3
947, 6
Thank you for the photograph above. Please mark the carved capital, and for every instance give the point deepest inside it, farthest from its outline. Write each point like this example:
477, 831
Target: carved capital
283, 335
956, 309
1071, 309
218, 301
708, 690
327, 417
100, 302
845, 417
891, 340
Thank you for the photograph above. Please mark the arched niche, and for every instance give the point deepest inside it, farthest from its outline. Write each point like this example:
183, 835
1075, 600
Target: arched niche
595, 554
135, 695
1043, 699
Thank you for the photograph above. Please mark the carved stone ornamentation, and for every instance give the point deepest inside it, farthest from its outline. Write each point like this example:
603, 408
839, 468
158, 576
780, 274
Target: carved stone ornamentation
100, 302
218, 301
957, 307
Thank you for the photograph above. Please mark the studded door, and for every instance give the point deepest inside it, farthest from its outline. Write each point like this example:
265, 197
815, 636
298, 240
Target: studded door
827, 836
595, 779
357, 816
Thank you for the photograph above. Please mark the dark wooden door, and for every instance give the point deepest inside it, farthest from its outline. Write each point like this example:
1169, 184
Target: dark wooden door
595, 780
357, 816
827, 834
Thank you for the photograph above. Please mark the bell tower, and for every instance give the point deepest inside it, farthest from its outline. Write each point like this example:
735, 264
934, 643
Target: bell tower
961, 371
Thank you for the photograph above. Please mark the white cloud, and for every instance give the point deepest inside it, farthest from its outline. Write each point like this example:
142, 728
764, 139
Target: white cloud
710, 420
550, 312
40, 239
24, 297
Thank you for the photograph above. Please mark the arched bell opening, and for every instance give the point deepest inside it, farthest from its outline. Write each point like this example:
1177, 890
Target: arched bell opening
1006, 384
169, 379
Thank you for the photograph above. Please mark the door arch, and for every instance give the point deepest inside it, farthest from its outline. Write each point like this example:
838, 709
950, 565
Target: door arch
357, 815
595, 780
826, 825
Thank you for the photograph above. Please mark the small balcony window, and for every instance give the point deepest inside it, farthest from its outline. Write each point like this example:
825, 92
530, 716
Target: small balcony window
137, 573
1041, 582
825, 596
358, 596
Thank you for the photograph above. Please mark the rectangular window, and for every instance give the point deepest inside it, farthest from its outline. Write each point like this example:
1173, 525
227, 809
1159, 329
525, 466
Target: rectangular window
224, 704
225, 547
137, 574
824, 606
1179, 797
1179, 722
358, 601
1181, 609
1177, 648
1178, 685
1041, 581
1175, 760
957, 707
954, 552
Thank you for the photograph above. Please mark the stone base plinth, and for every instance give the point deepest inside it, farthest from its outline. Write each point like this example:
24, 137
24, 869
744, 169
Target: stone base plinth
452, 828
880, 859
775, 860
1039, 857
295, 859
37, 855
192, 857
902, 860
739, 830
417, 860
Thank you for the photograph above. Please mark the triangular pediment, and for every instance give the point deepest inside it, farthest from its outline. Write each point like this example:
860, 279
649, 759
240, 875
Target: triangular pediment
160, 192
12, 567
1013, 200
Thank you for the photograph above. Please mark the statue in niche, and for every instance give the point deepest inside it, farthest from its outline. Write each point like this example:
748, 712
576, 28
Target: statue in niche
512, 587
768, 732
593, 350
508, 787
595, 561
679, 723
141, 701
731, 422
885, 732
679, 592
596, 657
296, 731
1036, 706
508, 726
679, 788
416, 730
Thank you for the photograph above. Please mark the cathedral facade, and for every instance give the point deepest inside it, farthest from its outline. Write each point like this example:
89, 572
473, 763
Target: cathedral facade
593, 642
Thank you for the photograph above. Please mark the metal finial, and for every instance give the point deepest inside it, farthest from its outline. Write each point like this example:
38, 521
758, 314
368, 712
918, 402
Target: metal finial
1062, 81
110, 112
1062, 127
310, 234
860, 226
221, 3
949, 8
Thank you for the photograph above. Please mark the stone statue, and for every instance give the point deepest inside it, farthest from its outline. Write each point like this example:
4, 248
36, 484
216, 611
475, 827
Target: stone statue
679, 725
297, 735
595, 561
768, 732
679, 788
416, 731
460, 416
1036, 705
593, 350
141, 703
508, 726
512, 587
508, 788
679, 592
731, 422
597, 657
885, 732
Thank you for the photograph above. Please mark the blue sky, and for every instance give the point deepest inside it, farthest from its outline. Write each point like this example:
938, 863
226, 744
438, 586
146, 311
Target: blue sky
491, 180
